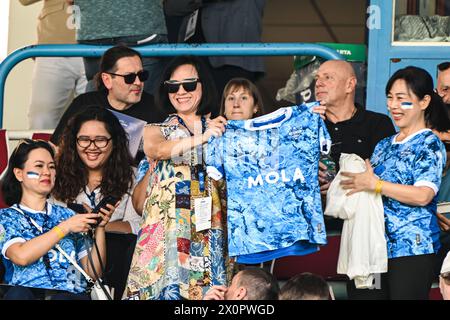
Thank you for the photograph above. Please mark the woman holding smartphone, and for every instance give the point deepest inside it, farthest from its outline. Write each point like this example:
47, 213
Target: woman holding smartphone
94, 162
31, 228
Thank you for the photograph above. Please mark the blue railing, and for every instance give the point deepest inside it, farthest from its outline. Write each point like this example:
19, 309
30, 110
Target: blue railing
160, 50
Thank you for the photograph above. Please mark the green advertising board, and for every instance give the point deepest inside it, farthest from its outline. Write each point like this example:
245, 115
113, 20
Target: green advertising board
351, 52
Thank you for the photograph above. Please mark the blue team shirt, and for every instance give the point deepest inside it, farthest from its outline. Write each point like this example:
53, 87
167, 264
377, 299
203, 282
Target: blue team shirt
417, 160
270, 164
14, 227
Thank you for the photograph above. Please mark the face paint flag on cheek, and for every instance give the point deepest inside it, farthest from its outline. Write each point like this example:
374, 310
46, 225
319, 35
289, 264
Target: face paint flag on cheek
406, 105
32, 175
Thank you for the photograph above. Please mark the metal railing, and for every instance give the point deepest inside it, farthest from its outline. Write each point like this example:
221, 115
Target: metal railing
162, 50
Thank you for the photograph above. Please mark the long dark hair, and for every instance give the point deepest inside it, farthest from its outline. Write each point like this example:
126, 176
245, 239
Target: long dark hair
72, 177
209, 92
108, 62
11, 187
420, 82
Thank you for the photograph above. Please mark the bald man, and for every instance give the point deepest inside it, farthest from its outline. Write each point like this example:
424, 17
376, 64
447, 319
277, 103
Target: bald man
443, 81
352, 128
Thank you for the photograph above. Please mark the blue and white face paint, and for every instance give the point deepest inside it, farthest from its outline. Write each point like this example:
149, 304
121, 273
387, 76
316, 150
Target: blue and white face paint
32, 175
406, 105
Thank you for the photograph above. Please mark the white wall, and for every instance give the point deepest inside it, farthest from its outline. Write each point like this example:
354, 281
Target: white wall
22, 32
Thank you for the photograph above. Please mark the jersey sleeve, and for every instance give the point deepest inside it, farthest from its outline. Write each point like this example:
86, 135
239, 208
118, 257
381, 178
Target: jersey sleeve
10, 230
142, 169
429, 165
324, 138
214, 158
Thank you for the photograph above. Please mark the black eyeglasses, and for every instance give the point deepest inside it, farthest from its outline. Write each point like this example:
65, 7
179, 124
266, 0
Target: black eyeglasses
189, 85
131, 77
99, 142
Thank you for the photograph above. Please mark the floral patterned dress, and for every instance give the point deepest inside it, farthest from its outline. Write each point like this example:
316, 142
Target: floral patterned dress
171, 259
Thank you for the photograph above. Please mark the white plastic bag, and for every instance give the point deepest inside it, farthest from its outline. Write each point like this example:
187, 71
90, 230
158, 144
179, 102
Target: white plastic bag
97, 293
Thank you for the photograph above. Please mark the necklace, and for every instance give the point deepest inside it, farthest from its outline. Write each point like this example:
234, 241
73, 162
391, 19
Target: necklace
44, 209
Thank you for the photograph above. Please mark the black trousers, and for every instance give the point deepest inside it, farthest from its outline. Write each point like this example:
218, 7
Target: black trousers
408, 278
25, 293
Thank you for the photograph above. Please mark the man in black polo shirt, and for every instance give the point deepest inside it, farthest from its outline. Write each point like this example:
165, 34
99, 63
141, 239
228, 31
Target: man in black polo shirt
120, 83
352, 128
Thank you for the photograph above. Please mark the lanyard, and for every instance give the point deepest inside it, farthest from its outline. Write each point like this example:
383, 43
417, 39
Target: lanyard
45, 257
199, 150
31, 220
181, 121
91, 196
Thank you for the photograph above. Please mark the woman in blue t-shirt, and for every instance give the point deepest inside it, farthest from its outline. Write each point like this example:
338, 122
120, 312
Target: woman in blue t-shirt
406, 170
31, 228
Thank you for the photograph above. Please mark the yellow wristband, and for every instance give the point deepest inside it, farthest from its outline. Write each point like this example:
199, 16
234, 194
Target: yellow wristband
59, 231
378, 186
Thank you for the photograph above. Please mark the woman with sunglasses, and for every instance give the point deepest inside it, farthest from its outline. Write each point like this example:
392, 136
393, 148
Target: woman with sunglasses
94, 162
31, 228
177, 256
406, 170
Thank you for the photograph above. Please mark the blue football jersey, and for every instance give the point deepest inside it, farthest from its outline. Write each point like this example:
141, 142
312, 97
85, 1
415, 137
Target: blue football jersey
15, 228
418, 160
270, 164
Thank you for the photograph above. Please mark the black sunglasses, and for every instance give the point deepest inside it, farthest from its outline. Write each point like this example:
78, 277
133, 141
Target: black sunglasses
189, 85
131, 77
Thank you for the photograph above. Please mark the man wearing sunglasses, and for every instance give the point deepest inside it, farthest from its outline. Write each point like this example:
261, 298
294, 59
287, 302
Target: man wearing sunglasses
120, 88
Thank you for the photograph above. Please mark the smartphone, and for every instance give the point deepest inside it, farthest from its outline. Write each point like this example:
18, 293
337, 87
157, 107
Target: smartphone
78, 208
102, 204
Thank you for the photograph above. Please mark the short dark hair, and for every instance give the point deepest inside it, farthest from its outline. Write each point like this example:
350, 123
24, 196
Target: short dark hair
108, 62
209, 91
11, 187
420, 82
72, 176
247, 85
305, 286
260, 284
444, 66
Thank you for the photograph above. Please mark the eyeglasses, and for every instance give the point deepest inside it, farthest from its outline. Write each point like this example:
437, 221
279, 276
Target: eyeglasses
99, 142
131, 77
189, 85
